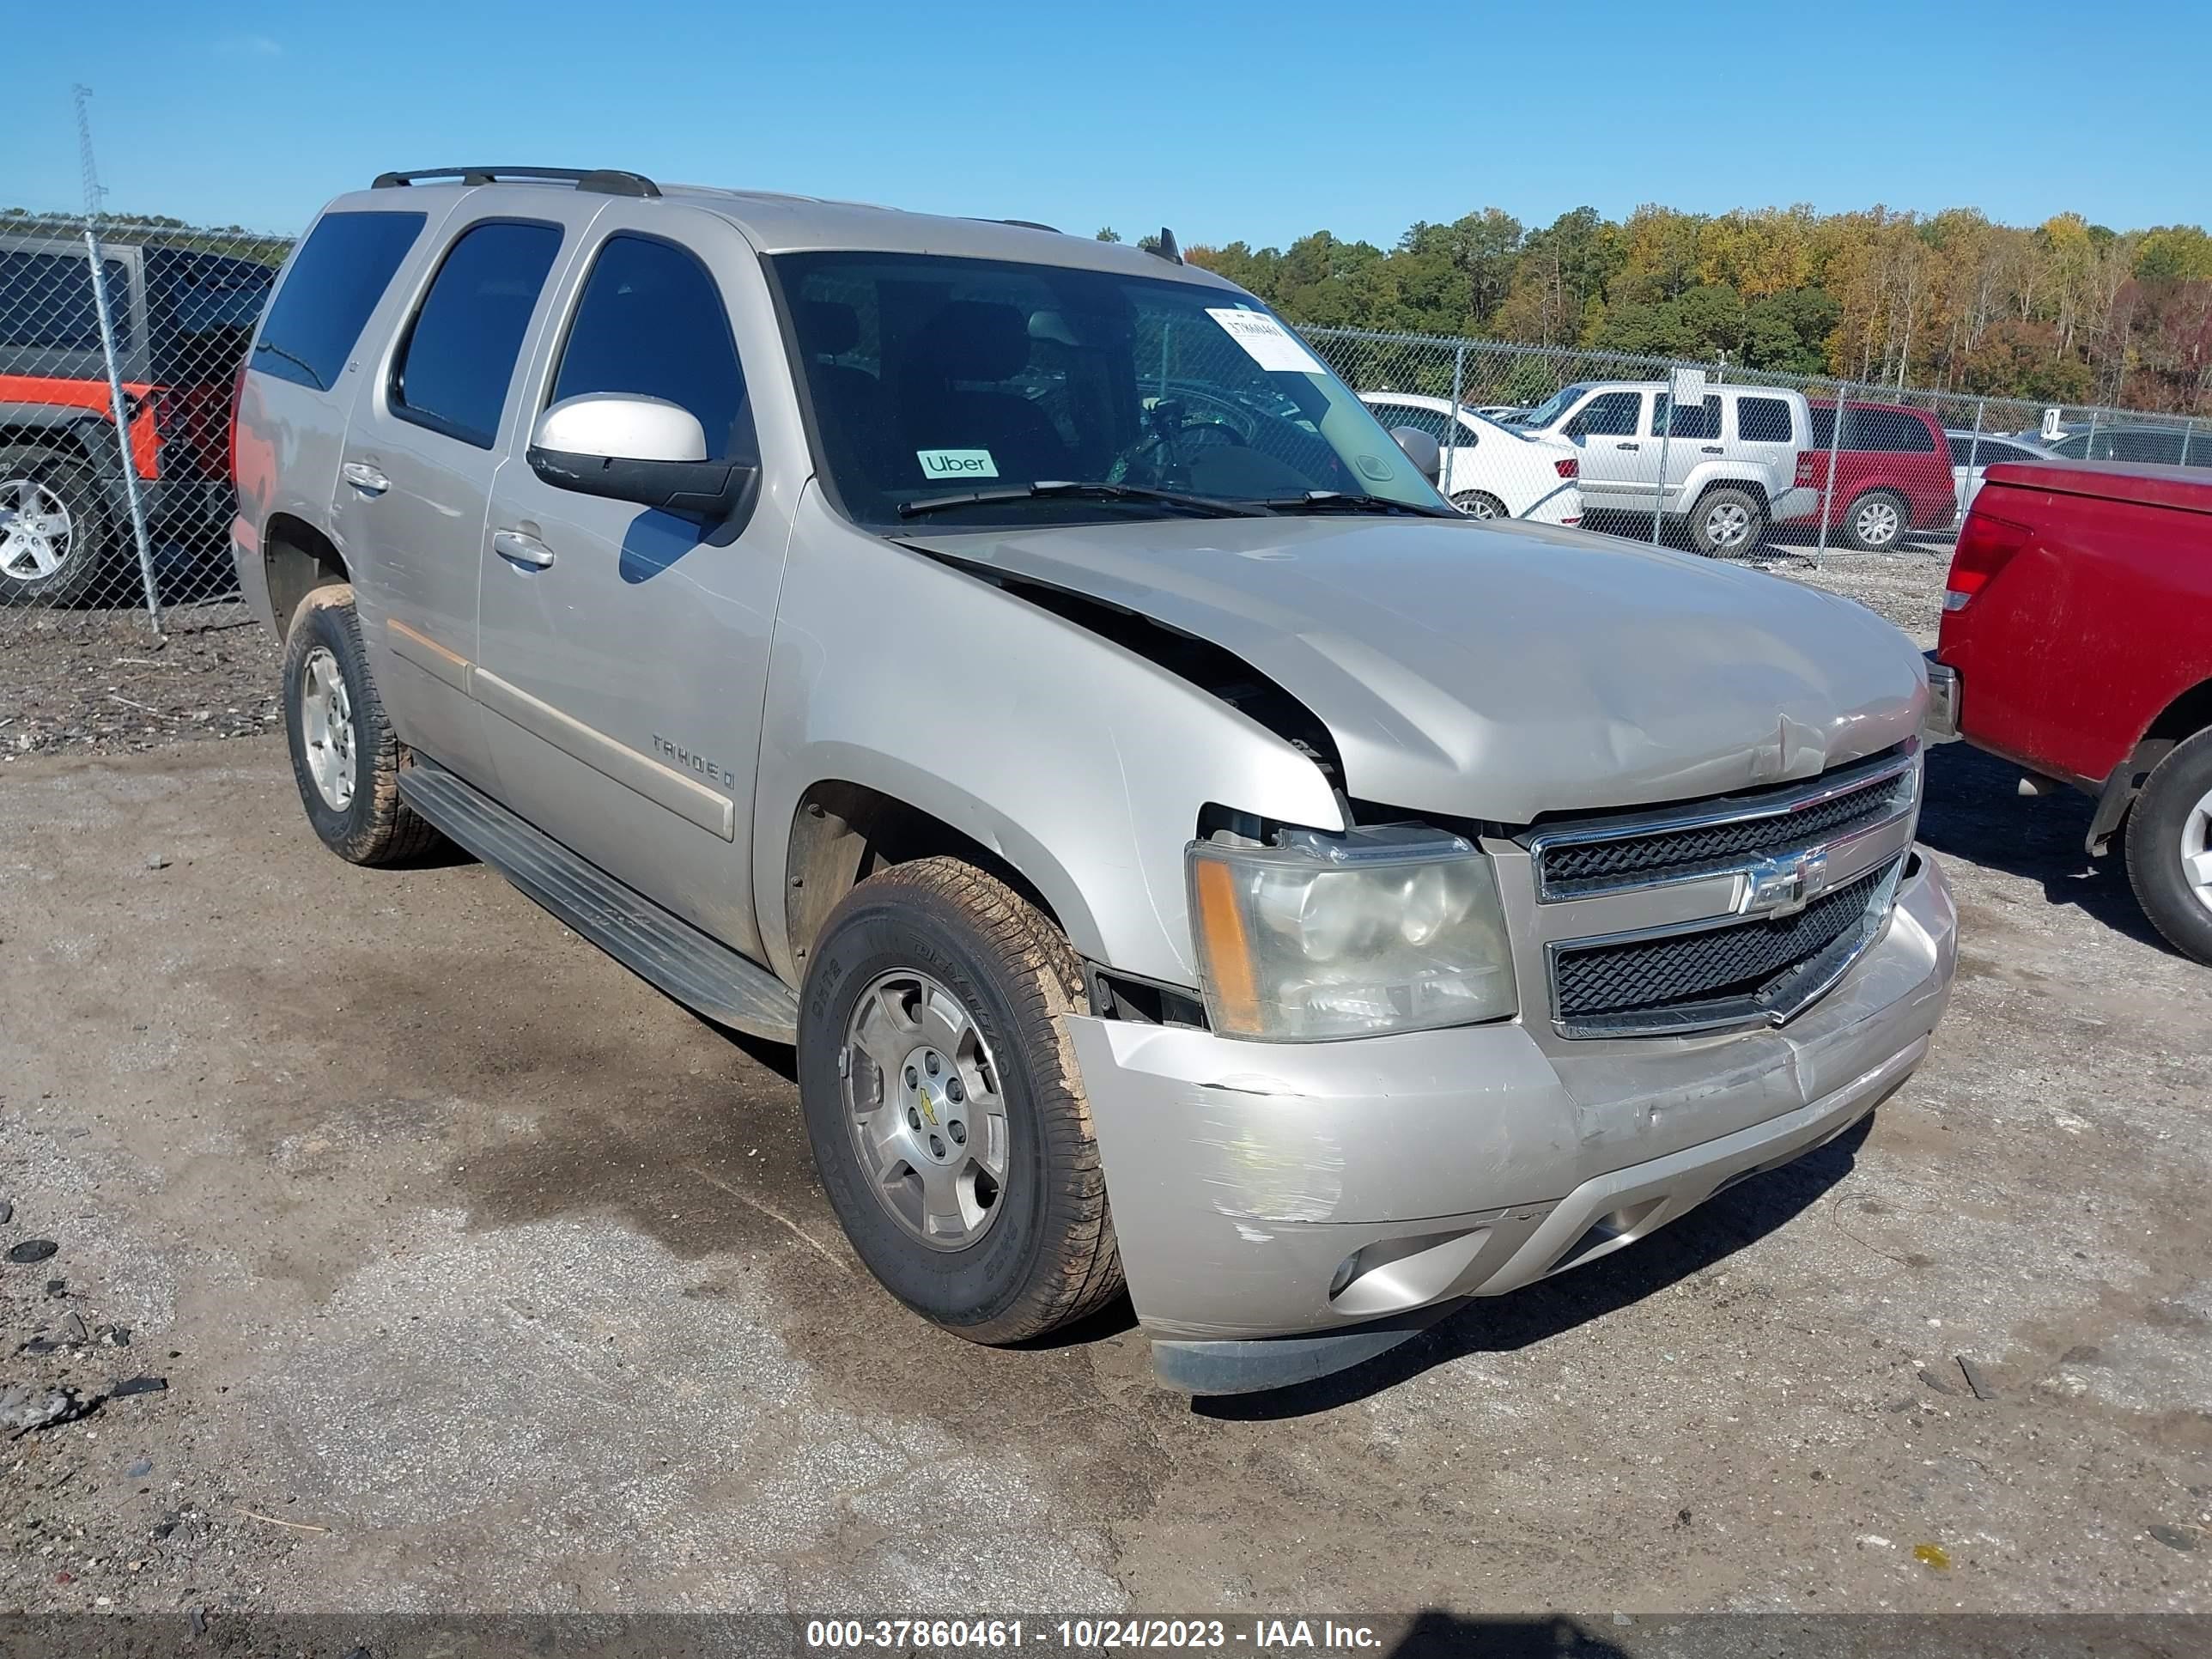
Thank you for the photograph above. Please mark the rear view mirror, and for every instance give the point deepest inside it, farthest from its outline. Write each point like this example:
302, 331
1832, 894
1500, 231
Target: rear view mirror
632, 448
1422, 450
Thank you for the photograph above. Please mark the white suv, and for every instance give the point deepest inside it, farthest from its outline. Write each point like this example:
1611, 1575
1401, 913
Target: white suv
1730, 464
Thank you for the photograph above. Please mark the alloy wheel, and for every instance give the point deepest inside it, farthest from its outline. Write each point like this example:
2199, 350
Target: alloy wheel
326, 725
1728, 525
34, 530
2197, 851
925, 1110
1877, 523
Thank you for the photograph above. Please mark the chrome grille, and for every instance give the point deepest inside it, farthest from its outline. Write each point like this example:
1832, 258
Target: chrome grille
1706, 975
1706, 837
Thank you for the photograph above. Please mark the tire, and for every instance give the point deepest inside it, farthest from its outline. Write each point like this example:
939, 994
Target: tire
1728, 524
2170, 830
344, 757
1480, 504
50, 568
1877, 521
926, 944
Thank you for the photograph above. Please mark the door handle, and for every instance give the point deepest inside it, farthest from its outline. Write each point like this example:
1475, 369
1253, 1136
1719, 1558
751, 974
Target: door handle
364, 477
1710, 449
518, 548
1628, 446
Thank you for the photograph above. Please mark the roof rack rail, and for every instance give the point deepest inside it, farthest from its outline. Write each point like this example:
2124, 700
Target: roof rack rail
604, 181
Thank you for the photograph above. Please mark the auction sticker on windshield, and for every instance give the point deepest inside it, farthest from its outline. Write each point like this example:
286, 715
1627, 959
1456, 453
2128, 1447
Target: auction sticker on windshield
956, 463
1266, 341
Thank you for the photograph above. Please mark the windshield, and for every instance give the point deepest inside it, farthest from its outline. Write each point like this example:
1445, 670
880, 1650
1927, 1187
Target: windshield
932, 377
1551, 409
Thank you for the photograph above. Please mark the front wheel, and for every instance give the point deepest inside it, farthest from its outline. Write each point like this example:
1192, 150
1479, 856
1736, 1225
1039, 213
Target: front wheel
942, 1101
1727, 523
2169, 847
1480, 504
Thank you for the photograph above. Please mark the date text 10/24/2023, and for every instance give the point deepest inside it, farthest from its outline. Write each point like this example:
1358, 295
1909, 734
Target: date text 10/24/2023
1091, 1635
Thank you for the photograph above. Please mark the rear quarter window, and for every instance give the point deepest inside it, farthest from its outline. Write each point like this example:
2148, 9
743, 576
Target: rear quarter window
1886, 431
46, 300
1763, 421
340, 273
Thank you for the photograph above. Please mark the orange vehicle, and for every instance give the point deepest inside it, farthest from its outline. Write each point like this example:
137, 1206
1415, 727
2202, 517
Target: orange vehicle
181, 319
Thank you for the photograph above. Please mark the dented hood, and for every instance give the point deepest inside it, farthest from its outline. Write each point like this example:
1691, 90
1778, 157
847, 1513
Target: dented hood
1502, 672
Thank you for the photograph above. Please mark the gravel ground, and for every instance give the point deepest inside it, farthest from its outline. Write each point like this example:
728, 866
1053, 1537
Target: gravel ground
99, 681
481, 1276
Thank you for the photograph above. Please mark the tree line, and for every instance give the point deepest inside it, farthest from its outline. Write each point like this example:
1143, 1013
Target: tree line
2065, 312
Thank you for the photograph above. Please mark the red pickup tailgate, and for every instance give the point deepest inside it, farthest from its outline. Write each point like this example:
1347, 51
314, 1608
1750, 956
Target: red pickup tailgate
2096, 619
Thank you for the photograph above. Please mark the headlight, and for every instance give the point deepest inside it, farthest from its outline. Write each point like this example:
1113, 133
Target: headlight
1395, 929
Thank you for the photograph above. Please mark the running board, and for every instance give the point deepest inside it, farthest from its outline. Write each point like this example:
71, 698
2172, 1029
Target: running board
664, 951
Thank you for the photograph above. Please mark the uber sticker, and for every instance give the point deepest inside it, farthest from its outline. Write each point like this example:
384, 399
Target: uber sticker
956, 463
1266, 341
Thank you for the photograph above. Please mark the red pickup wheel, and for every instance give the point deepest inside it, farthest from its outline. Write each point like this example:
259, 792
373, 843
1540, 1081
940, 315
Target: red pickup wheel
2170, 847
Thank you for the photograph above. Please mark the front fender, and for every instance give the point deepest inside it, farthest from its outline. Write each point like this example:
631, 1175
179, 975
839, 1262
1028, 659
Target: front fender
1081, 763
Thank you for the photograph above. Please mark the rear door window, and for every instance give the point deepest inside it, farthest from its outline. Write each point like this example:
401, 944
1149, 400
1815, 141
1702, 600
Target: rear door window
453, 373
339, 273
1701, 420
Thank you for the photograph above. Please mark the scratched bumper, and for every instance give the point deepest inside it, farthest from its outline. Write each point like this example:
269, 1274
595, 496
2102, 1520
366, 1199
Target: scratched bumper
1340, 1189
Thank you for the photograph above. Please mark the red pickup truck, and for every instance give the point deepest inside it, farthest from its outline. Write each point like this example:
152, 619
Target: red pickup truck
2077, 641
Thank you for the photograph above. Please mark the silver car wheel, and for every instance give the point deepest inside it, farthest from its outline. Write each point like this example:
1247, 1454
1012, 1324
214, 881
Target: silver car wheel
1877, 523
1477, 506
2197, 851
34, 530
1728, 525
326, 726
923, 1103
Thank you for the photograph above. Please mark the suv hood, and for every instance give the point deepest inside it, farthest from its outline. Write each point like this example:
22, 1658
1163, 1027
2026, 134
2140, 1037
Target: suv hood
1502, 672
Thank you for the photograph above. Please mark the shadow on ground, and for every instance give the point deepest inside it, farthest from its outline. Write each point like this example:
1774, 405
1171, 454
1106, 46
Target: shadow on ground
1974, 809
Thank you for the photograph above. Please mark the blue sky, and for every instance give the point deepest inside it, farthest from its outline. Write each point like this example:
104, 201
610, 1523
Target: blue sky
1255, 121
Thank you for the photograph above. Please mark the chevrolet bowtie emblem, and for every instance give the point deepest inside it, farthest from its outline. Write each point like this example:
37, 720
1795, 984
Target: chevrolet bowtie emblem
1780, 887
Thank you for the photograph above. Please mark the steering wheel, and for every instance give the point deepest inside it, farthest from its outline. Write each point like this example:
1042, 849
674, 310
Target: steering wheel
1164, 455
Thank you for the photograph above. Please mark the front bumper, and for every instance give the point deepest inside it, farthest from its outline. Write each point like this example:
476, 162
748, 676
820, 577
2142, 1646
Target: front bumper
1343, 1194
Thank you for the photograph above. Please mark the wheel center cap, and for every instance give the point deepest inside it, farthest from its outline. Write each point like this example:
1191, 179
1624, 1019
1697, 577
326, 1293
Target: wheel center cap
932, 1105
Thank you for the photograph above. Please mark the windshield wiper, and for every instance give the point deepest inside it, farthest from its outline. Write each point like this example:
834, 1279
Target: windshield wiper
1060, 489
1338, 501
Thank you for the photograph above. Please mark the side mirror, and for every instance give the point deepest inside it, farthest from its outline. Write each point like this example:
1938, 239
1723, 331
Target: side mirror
1422, 450
631, 448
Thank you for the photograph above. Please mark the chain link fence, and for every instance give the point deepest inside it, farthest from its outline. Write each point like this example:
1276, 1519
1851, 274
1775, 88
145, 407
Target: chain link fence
1905, 464
120, 342
120, 346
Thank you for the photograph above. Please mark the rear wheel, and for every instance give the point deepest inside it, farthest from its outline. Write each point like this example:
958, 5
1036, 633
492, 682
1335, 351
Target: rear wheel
2169, 847
54, 528
1480, 504
1876, 520
943, 1104
1727, 523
